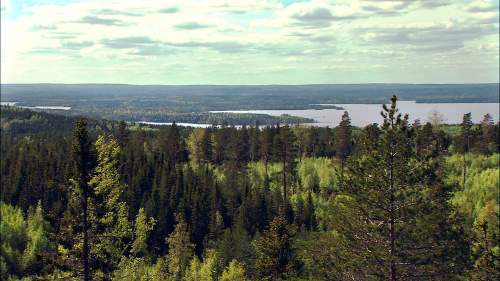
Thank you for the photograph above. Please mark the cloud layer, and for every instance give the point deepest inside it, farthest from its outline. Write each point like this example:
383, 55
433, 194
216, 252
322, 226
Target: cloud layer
250, 42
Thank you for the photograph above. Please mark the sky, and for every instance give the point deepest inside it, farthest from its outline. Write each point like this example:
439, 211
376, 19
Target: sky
249, 42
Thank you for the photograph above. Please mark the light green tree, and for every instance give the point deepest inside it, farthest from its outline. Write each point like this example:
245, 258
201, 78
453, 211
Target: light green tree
205, 270
180, 249
12, 239
37, 240
111, 228
235, 271
143, 227
22, 241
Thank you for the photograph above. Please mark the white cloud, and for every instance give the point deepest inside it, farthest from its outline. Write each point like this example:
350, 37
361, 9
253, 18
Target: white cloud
96, 35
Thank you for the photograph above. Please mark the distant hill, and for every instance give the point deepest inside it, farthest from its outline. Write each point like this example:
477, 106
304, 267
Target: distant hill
189, 103
339, 93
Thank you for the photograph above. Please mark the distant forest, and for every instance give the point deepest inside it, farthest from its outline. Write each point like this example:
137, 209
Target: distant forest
191, 104
91, 199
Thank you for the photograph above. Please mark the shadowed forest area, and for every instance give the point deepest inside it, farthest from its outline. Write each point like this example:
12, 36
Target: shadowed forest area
105, 200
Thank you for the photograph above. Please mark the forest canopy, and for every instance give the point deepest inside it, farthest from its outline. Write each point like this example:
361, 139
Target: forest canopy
103, 200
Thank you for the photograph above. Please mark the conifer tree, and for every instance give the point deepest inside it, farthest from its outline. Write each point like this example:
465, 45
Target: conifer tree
180, 249
200, 146
142, 227
392, 192
275, 254
254, 143
82, 160
235, 271
205, 270
38, 243
122, 134
465, 136
235, 244
309, 217
343, 143
112, 230
486, 143
266, 149
171, 145
285, 151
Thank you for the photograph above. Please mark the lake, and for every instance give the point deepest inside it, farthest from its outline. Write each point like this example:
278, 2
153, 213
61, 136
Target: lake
361, 114
365, 114
170, 123
48, 107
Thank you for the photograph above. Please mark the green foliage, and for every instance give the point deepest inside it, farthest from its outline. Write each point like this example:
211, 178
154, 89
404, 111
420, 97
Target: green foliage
275, 254
23, 241
326, 256
132, 269
143, 227
125, 194
258, 178
317, 175
235, 271
478, 202
389, 195
199, 146
111, 228
235, 244
180, 250
13, 239
202, 271
37, 240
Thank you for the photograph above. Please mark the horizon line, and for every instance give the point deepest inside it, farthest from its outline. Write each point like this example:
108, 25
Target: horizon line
308, 84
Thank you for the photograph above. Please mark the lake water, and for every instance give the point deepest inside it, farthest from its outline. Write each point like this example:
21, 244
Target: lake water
169, 123
8, 103
365, 114
182, 124
361, 114
49, 107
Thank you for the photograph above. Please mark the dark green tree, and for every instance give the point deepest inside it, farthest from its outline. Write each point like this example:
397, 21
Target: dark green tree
82, 161
486, 140
465, 141
275, 254
343, 143
392, 194
285, 152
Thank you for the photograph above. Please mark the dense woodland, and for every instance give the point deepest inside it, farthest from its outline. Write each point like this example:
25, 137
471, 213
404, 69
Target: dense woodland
101, 200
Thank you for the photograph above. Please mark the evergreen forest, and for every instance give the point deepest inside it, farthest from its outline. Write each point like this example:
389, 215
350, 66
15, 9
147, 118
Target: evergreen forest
91, 199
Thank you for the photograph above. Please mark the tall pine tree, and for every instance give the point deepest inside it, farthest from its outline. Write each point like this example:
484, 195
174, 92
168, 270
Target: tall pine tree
82, 160
343, 143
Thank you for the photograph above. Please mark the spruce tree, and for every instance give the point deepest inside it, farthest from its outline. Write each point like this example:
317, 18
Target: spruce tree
235, 271
464, 141
82, 161
275, 253
112, 230
486, 143
180, 249
285, 151
343, 143
142, 228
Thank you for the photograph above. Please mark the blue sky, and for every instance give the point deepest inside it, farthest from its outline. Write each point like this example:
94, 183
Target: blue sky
249, 42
